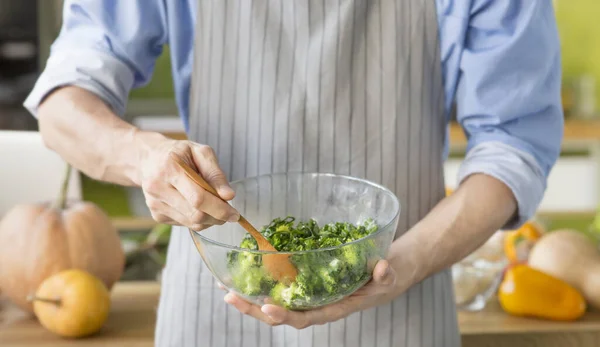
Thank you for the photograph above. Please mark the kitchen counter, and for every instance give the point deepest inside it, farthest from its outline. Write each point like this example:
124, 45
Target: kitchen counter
131, 322
492, 327
133, 314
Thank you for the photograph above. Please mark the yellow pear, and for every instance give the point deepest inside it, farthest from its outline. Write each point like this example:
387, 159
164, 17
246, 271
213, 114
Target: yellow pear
72, 303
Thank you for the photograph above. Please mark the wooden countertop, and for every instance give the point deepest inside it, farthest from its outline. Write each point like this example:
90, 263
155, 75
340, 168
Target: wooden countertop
492, 320
132, 320
494, 328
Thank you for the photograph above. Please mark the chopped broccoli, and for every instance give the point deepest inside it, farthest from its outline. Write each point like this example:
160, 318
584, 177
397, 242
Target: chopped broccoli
282, 293
249, 243
289, 296
323, 277
250, 281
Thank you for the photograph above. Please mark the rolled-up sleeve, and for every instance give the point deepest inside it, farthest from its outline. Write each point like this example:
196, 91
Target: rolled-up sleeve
106, 47
508, 97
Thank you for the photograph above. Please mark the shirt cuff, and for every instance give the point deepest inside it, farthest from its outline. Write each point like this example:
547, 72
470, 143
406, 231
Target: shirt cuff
517, 169
100, 73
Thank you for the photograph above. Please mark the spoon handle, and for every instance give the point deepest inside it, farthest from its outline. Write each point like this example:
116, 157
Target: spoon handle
263, 243
194, 176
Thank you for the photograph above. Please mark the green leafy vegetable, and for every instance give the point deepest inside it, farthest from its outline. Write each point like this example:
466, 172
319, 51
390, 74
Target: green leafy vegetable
323, 277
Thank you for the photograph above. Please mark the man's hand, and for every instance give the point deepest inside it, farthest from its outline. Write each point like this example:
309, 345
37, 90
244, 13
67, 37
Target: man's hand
106, 148
171, 196
457, 226
384, 287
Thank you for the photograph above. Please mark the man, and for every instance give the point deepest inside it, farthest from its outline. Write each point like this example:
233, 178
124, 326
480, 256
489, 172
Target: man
354, 87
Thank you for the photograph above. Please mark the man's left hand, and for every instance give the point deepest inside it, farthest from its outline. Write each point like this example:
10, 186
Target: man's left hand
381, 289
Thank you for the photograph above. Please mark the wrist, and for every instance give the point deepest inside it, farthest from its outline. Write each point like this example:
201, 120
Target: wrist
145, 144
409, 261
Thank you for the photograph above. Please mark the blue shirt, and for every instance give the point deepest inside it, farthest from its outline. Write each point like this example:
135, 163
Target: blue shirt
500, 62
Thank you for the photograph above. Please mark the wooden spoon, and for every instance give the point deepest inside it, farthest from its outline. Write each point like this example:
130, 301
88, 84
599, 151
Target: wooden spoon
278, 265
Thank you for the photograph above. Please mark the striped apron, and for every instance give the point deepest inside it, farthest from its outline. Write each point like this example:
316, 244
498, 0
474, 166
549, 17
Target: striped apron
352, 87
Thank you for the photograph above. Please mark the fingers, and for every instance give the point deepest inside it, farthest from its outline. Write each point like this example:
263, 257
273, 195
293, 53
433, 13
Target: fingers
163, 212
174, 198
383, 281
378, 290
384, 275
208, 166
248, 309
202, 204
201, 201
298, 320
276, 315
302, 320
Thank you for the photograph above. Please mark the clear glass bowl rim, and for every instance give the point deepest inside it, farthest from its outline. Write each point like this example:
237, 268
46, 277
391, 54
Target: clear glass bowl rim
311, 174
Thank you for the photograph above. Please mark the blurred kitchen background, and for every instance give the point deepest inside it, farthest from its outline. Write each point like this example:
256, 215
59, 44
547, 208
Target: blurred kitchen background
28, 27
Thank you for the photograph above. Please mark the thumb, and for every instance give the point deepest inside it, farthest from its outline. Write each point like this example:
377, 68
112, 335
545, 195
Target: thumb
384, 275
208, 166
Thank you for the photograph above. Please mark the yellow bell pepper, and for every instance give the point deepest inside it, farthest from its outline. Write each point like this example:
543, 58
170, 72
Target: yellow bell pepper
528, 232
526, 291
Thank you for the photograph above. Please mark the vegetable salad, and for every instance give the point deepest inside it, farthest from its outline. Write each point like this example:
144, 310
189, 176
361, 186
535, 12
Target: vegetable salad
323, 277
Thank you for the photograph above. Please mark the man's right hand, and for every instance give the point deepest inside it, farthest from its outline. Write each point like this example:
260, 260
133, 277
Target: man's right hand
171, 196
106, 148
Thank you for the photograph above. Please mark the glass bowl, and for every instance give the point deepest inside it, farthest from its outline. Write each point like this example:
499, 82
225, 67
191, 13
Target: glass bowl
325, 275
476, 278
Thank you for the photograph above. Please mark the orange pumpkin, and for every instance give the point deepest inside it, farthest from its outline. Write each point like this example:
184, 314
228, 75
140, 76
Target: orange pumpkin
40, 240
